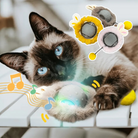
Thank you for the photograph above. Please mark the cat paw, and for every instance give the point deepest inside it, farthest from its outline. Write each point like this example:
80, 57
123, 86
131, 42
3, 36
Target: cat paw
105, 100
44, 92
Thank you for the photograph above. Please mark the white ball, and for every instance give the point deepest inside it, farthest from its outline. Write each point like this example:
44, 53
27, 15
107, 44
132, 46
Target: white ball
73, 94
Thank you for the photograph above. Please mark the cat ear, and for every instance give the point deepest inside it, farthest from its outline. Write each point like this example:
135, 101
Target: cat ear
39, 25
14, 60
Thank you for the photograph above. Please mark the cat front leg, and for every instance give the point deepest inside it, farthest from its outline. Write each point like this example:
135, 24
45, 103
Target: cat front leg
44, 92
120, 80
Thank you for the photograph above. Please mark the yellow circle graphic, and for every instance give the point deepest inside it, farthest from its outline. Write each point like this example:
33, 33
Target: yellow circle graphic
92, 56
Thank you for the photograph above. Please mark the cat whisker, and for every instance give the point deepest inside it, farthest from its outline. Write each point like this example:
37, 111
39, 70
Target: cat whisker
80, 61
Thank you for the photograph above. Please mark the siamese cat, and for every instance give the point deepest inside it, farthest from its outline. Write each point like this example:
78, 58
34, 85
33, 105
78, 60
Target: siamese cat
55, 59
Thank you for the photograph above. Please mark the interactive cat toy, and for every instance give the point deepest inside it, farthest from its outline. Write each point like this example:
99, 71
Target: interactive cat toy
79, 96
104, 14
74, 102
90, 29
86, 28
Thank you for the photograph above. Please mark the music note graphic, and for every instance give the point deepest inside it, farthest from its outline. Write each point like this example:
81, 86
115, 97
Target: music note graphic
19, 85
33, 91
49, 105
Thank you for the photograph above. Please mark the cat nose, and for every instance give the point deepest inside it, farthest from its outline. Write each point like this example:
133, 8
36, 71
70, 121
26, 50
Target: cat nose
61, 70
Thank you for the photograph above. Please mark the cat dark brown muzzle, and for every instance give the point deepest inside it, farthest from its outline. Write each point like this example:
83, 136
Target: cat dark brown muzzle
61, 70
64, 73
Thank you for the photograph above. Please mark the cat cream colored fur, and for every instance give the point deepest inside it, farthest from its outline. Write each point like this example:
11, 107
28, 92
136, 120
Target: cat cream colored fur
72, 65
85, 68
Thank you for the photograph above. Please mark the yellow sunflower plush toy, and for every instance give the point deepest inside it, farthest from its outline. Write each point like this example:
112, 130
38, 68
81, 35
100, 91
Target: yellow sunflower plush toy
86, 28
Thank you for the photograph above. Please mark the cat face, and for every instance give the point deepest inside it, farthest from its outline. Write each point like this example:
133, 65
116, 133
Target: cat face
51, 57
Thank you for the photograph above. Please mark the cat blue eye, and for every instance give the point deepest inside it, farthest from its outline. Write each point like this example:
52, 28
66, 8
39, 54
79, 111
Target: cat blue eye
58, 50
42, 70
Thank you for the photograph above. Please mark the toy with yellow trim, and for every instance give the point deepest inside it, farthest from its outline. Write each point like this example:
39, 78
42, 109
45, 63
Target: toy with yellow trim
86, 28
101, 26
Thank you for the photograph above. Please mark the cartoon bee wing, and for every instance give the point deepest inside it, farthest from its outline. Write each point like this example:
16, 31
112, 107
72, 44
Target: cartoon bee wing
124, 32
121, 29
72, 23
76, 19
120, 26
90, 7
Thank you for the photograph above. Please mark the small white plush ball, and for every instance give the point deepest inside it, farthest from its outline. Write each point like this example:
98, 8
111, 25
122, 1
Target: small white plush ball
73, 94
